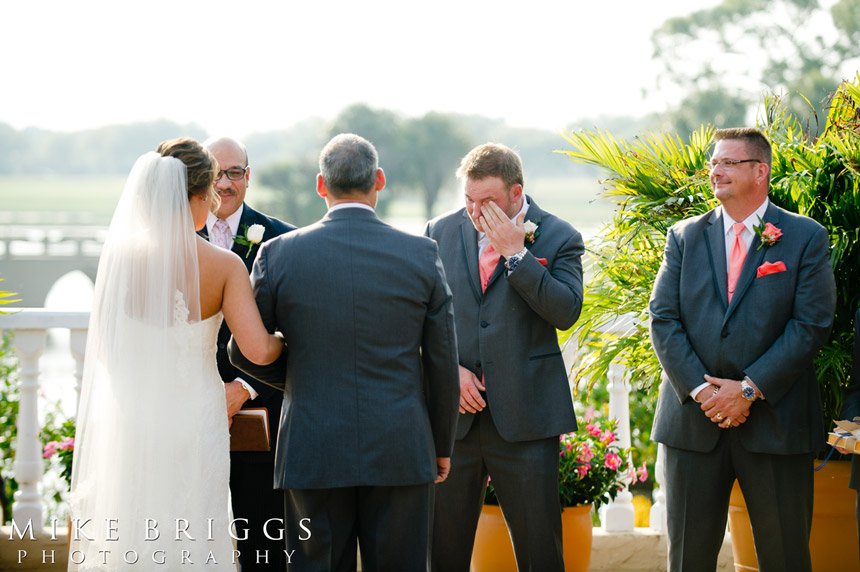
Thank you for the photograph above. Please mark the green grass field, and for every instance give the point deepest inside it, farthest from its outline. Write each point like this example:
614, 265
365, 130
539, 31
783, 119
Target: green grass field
59, 200
92, 199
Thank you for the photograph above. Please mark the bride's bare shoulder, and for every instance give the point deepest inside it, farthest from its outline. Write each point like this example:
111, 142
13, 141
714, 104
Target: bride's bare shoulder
215, 261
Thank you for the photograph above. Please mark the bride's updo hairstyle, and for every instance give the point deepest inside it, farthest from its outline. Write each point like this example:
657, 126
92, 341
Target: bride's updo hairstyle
201, 166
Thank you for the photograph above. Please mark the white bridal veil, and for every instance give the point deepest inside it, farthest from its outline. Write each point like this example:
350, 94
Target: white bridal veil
147, 296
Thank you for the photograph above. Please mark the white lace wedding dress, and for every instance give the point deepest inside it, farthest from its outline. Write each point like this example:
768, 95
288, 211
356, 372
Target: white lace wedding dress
151, 467
177, 488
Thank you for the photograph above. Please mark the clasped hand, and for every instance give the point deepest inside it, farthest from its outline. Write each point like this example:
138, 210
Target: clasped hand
726, 406
507, 237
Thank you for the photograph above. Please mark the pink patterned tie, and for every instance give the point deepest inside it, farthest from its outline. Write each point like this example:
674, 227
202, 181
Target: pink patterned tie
736, 258
487, 264
221, 235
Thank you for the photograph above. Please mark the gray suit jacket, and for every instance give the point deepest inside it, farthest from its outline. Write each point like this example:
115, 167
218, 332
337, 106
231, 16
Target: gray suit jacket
771, 332
370, 383
508, 334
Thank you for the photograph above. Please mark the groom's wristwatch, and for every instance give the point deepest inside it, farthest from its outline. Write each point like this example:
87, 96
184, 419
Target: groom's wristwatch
747, 390
514, 259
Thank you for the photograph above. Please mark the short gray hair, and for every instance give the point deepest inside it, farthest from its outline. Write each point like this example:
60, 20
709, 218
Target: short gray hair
348, 163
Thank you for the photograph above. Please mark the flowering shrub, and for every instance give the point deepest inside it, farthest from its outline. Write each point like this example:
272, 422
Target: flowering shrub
63, 450
592, 466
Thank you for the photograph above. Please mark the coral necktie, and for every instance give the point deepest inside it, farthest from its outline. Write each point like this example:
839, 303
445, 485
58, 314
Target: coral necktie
221, 235
487, 264
736, 258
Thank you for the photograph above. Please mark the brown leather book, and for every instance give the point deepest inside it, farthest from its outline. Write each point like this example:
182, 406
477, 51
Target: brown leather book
250, 430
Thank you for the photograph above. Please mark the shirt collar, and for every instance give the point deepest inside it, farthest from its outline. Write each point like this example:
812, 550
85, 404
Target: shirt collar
750, 222
340, 206
232, 220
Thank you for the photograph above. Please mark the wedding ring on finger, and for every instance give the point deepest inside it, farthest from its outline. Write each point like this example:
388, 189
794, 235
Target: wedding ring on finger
728, 421
718, 416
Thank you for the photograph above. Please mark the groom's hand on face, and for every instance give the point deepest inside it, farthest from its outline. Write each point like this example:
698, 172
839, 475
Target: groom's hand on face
236, 395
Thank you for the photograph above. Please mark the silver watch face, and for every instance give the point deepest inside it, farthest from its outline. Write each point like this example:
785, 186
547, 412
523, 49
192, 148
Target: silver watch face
747, 391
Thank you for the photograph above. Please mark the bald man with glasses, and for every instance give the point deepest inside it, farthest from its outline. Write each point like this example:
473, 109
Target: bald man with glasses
251, 473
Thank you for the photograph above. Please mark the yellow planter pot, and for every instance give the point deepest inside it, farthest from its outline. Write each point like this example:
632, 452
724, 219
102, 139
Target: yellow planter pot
493, 551
833, 541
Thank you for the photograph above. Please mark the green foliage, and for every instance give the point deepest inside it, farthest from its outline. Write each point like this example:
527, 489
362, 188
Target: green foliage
8, 431
795, 46
6, 298
295, 197
658, 179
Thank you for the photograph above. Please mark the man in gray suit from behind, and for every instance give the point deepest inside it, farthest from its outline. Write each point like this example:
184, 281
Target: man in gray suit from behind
515, 400
370, 381
736, 320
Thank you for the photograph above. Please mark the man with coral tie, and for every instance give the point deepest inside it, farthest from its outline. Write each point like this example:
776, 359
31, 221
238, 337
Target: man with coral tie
516, 276
742, 303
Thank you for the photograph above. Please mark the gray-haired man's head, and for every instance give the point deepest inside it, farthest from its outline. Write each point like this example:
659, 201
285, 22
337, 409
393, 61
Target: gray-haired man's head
348, 164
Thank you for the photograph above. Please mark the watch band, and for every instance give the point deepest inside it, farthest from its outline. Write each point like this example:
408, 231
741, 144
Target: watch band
513, 261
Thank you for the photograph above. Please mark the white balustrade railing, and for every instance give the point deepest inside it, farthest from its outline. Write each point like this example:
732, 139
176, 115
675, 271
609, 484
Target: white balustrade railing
618, 514
31, 327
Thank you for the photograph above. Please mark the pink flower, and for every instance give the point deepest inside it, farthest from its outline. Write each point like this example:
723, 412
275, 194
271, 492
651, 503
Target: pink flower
593, 430
582, 470
589, 414
767, 233
612, 462
67, 444
50, 450
643, 473
607, 437
585, 454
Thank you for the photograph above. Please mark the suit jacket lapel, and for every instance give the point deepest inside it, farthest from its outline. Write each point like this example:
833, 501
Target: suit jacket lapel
245, 221
470, 252
716, 239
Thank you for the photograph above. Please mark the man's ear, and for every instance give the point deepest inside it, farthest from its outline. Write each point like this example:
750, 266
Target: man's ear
321, 188
380, 180
516, 192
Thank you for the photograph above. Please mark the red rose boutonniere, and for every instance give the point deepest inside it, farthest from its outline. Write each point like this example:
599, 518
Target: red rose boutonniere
767, 233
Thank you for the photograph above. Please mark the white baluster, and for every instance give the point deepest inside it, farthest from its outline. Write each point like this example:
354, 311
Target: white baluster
78, 345
618, 515
29, 345
658, 509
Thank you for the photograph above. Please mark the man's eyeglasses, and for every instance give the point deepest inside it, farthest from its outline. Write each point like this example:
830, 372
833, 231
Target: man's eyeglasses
234, 174
727, 163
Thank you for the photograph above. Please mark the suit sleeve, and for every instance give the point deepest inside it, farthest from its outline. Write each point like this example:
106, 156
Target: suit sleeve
680, 361
439, 361
274, 373
808, 328
555, 296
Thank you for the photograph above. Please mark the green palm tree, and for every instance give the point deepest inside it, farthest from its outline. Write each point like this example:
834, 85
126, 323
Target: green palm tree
658, 179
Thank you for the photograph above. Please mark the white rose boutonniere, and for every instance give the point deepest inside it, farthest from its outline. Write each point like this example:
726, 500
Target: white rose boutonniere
531, 229
253, 235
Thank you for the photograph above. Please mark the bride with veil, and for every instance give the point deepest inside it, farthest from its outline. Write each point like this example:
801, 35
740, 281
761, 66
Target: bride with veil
151, 466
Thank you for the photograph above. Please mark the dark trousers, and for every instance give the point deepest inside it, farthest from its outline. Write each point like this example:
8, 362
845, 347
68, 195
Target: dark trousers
525, 476
777, 490
391, 525
255, 499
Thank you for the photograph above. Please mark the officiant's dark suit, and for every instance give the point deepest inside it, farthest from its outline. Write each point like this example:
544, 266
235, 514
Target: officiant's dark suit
253, 497
756, 417
507, 343
370, 377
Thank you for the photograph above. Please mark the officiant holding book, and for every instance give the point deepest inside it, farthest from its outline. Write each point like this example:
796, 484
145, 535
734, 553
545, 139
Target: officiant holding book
238, 227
